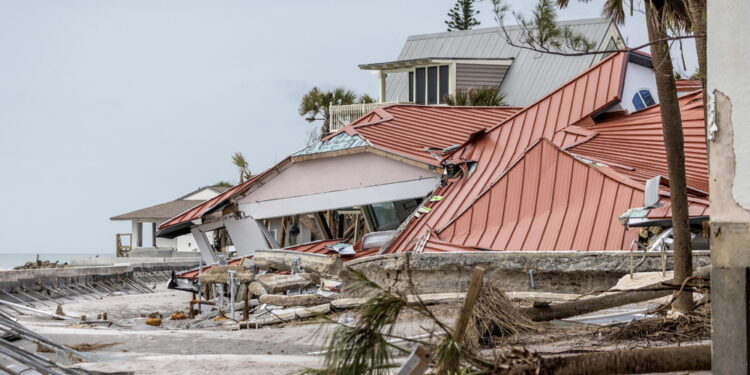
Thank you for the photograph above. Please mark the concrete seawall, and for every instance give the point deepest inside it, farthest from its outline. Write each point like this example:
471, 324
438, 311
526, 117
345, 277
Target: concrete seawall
553, 271
39, 291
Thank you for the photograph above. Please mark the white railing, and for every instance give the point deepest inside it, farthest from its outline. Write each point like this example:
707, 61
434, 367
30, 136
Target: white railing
341, 115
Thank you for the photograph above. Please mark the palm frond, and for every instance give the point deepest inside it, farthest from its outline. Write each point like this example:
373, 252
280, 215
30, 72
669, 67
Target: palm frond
481, 96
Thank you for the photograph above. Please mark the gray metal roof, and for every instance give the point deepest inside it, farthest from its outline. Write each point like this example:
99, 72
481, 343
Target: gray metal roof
164, 211
532, 74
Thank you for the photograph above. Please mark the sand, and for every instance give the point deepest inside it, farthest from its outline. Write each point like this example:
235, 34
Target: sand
168, 349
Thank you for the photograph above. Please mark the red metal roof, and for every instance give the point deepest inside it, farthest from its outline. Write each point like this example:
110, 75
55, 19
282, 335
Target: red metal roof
194, 273
407, 130
321, 247
634, 144
594, 90
198, 211
687, 85
548, 200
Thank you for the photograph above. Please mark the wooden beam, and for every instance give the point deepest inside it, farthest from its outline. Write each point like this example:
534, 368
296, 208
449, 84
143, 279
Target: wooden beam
321, 219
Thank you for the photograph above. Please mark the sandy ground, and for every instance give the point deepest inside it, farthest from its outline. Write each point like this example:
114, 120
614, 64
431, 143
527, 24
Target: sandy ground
220, 348
217, 349
160, 350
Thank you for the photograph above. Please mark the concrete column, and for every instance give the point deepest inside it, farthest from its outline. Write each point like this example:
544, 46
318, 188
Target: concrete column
728, 108
153, 234
136, 239
382, 77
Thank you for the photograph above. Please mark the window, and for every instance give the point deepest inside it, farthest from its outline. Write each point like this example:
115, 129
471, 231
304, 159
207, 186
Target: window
643, 99
432, 86
411, 87
443, 83
429, 85
419, 82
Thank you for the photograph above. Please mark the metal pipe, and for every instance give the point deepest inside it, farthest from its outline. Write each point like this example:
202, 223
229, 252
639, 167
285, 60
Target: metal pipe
15, 305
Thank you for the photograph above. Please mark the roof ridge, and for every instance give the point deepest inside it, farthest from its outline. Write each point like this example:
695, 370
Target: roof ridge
564, 86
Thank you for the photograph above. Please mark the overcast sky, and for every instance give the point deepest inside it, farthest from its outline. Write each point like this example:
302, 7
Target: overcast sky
111, 106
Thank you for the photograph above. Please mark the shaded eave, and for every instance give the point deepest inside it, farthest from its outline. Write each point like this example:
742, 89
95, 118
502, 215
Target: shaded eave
411, 63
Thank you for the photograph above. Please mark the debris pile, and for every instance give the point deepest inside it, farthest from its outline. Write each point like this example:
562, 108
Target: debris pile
39, 264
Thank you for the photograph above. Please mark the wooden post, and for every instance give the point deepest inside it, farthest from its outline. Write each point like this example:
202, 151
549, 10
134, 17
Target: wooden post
475, 285
191, 312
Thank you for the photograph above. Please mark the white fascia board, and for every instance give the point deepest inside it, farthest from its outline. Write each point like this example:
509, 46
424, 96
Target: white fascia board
474, 61
207, 227
340, 199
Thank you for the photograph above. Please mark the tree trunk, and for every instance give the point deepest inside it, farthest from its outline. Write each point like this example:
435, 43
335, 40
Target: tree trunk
585, 306
697, 9
674, 146
632, 361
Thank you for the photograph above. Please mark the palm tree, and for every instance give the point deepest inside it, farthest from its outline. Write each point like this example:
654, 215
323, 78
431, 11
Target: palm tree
482, 96
239, 161
661, 16
316, 103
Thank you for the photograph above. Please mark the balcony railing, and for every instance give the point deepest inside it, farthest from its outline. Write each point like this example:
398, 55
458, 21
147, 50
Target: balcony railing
341, 115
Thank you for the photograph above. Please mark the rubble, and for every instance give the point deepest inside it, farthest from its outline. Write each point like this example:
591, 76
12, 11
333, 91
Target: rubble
41, 264
276, 283
256, 289
271, 317
294, 300
282, 260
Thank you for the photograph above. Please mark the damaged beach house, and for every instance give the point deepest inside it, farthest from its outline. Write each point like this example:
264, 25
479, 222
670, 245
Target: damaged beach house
579, 169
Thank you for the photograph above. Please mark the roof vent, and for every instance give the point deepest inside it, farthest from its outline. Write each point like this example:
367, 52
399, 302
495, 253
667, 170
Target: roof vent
651, 192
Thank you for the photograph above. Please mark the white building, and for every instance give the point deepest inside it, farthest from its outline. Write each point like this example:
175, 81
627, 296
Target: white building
134, 243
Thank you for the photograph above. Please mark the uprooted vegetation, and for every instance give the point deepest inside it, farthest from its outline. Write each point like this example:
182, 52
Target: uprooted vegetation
496, 335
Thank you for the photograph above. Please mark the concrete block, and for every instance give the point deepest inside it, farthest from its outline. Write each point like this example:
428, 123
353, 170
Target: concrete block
256, 289
274, 283
294, 300
282, 260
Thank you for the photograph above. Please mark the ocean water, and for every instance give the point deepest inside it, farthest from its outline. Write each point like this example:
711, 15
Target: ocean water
10, 260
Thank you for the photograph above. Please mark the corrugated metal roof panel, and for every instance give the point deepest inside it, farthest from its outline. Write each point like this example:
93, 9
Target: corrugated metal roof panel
529, 206
688, 85
407, 130
198, 211
544, 198
634, 144
507, 142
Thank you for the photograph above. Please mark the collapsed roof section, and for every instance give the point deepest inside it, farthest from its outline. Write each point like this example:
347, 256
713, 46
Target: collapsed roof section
524, 191
633, 144
405, 134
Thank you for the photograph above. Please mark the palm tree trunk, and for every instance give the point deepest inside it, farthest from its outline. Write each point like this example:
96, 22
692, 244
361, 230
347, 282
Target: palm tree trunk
674, 146
697, 9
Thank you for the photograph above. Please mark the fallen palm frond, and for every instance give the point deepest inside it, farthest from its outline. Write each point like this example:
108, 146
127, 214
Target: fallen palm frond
495, 316
363, 347
517, 362
692, 326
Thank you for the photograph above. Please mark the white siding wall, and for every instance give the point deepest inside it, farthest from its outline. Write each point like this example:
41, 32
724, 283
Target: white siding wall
636, 78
